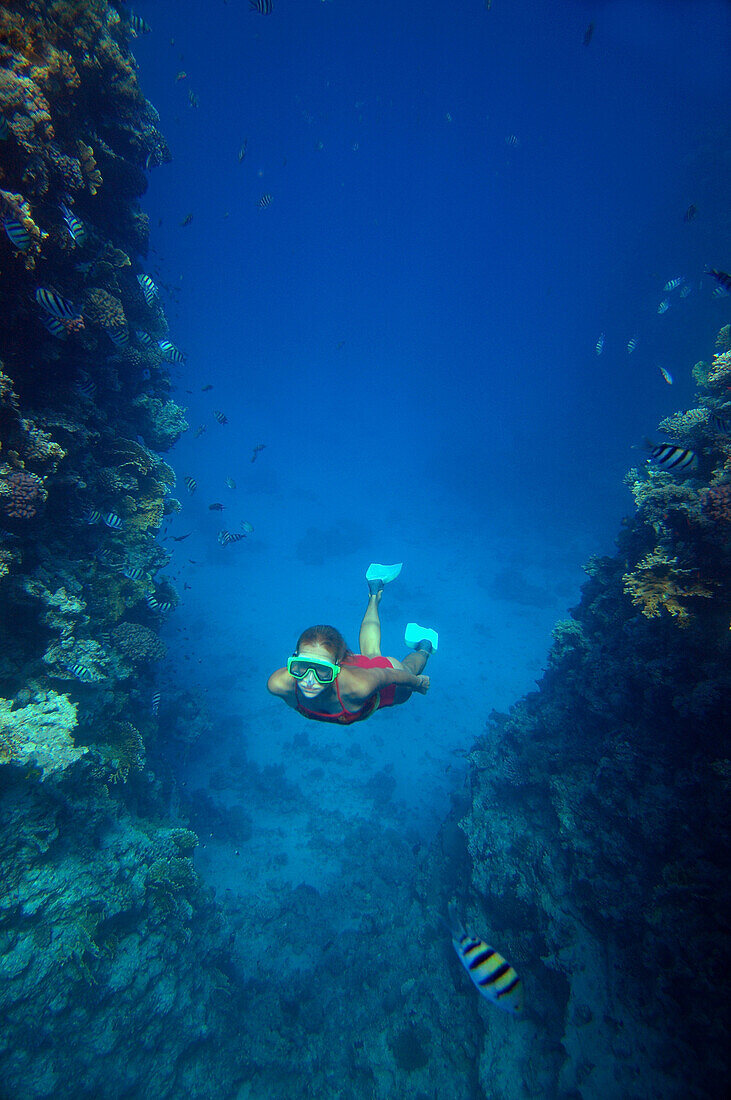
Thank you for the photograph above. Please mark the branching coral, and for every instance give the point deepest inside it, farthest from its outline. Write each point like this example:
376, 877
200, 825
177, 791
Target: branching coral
658, 583
103, 309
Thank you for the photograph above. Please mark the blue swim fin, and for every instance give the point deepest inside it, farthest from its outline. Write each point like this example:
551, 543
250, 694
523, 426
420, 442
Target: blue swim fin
378, 575
415, 634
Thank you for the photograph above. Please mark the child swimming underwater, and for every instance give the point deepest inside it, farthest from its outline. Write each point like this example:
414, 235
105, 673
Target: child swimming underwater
349, 687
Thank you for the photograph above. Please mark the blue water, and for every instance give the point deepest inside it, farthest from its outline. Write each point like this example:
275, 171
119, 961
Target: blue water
462, 200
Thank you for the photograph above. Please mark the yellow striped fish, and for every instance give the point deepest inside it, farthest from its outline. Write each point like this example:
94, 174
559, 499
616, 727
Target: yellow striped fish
492, 974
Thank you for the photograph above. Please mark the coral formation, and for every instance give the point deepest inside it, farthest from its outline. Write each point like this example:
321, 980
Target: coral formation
40, 733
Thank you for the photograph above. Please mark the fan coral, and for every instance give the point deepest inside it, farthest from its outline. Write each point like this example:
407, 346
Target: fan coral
658, 583
21, 492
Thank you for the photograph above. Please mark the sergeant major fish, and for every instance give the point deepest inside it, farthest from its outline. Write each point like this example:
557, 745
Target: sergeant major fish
494, 977
671, 457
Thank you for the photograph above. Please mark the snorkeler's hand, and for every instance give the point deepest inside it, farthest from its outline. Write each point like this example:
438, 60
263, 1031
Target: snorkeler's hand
422, 684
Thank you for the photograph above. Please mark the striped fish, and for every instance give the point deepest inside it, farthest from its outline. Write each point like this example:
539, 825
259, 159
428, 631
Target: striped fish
664, 306
631, 344
155, 702
144, 338
137, 25
220, 416
18, 235
673, 284
118, 336
132, 572
54, 304
164, 606
600, 343
76, 228
721, 277
262, 7
494, 977
111, 519
720, 292
54, 326
92, 516
81, 672
190, 484
84, 386
264, 201
671, 457
225, 537
685, 291
151, 603
720, 423
170, 352
148, 288
246, 527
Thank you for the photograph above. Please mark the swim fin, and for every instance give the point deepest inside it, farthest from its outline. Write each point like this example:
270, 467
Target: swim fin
378, 575
415, 634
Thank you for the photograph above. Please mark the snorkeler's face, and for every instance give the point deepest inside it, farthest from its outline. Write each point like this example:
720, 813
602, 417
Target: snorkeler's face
309, 685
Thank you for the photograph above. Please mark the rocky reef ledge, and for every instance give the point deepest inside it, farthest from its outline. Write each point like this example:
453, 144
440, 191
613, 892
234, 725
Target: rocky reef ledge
595, 841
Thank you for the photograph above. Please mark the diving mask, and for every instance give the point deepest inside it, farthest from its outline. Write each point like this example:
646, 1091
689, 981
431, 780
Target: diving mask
324, 671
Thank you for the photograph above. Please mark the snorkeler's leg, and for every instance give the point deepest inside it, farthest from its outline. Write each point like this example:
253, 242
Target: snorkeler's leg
415, 662
369, 639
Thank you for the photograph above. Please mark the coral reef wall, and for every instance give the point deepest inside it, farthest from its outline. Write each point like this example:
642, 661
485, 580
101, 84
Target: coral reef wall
597, 832
109, 942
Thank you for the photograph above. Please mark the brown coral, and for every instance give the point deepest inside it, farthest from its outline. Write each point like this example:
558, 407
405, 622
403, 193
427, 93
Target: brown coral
138, 643
658, 583
103, 309
21, 492
92, 175
716, 505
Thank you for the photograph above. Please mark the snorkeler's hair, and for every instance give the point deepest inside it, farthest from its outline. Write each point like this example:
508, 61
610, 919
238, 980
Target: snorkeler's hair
328, 636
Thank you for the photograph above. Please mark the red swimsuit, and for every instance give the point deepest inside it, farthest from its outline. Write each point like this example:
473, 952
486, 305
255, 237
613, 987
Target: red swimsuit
380, 699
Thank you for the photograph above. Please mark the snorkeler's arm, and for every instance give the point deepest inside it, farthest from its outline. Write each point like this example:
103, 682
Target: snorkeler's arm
361, 683
281, 684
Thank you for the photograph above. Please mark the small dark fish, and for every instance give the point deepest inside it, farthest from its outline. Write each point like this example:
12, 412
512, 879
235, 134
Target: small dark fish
190, 484
76, 228
137, 25
85, 387
54, 304
187, 219
145, 374
111, 519
181, 538
199, 431
216, 507
264, 201
181, 75
721, 278
259, 447
206, 388
263, 7
225, 537
193, 99
155, 702
230, 483
690, 213
220, 416
242, 151
671, 457
588, 34
18, 235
